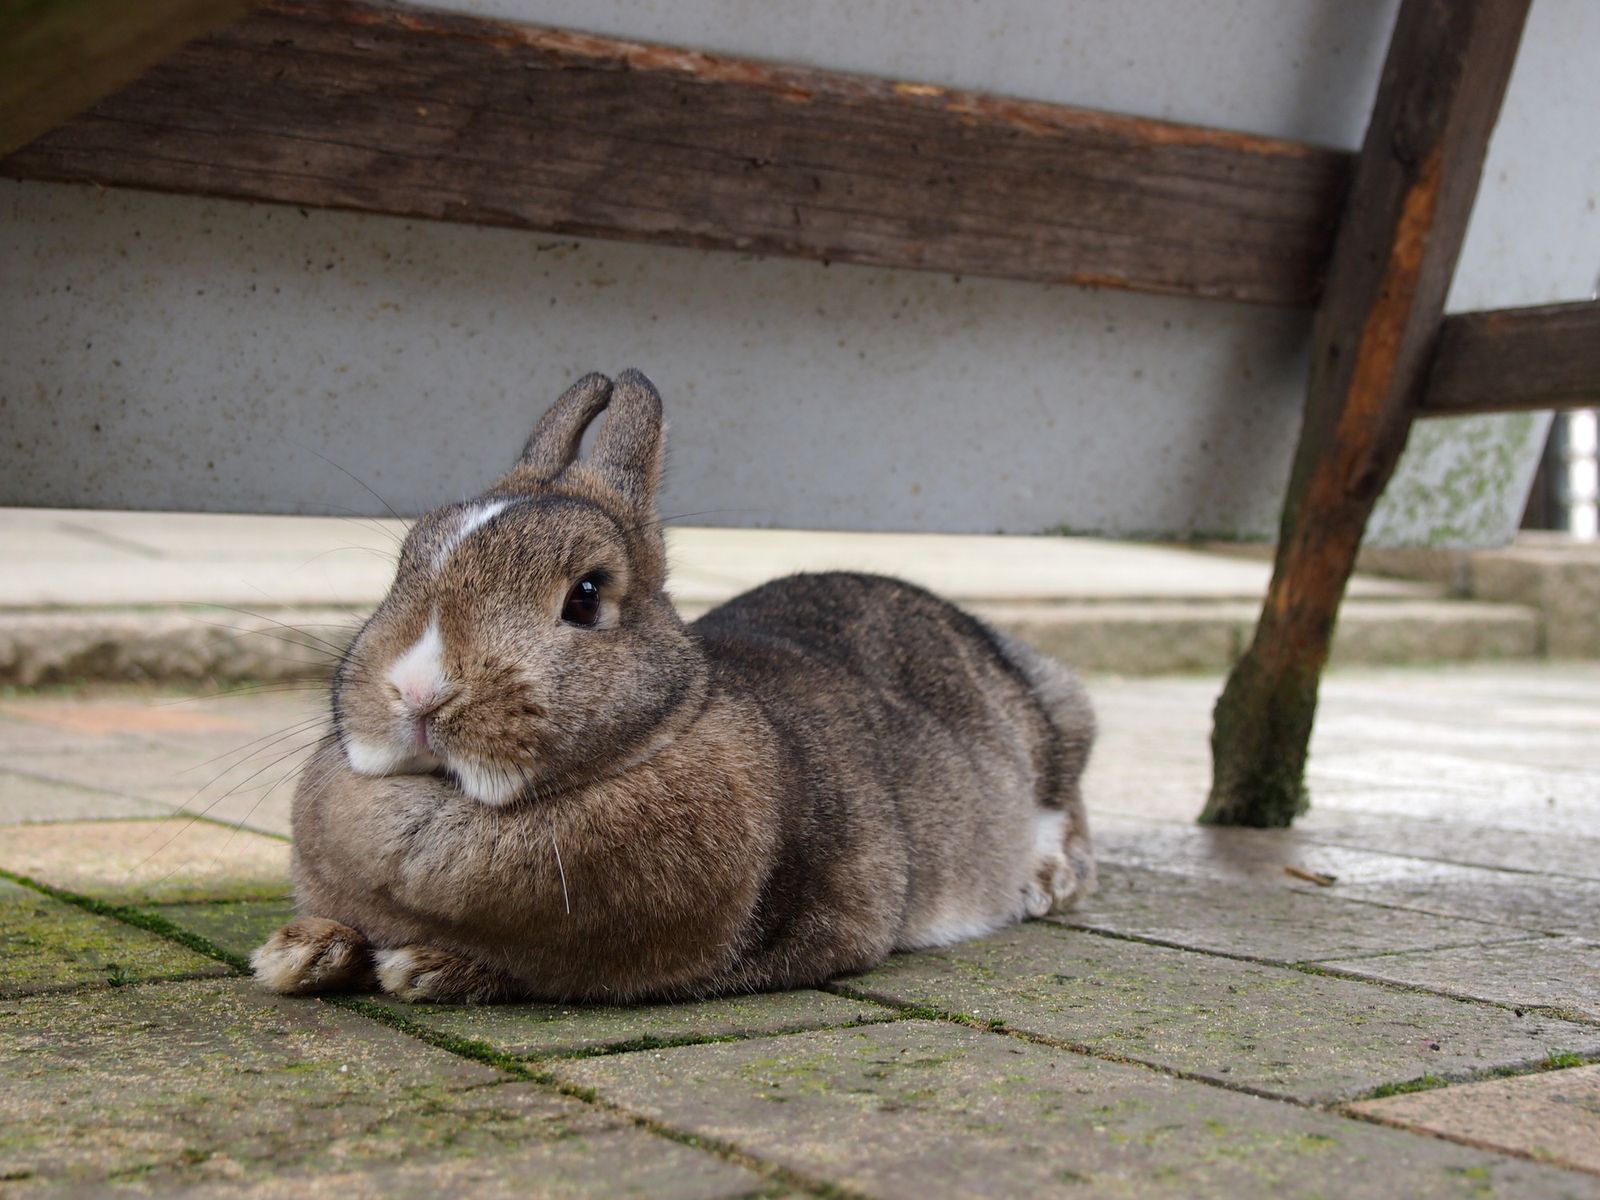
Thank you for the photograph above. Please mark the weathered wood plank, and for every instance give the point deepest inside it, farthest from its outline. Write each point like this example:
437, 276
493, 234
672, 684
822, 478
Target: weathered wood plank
1516, 360
1372, 340
57, 57
424, 114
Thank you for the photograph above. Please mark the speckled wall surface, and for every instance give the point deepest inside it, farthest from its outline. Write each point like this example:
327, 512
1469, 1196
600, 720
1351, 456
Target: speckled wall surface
169, 352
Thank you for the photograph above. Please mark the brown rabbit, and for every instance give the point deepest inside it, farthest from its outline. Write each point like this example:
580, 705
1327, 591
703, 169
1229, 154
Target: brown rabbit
541, 784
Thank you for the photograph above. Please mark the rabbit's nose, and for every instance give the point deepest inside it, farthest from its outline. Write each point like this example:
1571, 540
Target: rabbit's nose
422, 698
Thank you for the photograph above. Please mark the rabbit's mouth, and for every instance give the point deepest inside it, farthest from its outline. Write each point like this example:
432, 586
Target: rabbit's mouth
491, 783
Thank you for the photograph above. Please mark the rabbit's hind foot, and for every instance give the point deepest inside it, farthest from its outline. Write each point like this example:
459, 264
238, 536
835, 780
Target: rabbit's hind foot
313, 954
423, 973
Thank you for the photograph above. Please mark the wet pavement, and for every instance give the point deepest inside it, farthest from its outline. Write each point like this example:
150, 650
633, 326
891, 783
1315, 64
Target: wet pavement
1400, 996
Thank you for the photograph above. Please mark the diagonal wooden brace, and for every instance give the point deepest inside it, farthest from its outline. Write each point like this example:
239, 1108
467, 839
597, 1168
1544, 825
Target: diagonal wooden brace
1372, 341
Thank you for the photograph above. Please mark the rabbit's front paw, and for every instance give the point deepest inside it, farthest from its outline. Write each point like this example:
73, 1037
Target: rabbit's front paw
313, 954
423, 973
1063, 870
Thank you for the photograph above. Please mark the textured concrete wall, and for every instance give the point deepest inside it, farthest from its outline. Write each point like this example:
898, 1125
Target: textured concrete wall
170, 352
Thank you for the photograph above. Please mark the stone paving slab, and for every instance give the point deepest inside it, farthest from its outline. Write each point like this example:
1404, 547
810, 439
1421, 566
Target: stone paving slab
24, 798
121, 714
131, 862
919, 1110
1546, 903
1551, 1117
529, 1030
1270, 1029
522, 1144
218, 1083
1562, 973
191, 752
1457, 842
1423, 782
154, 744
1553, 737
247, 721
261, 807
1154, 757
1525, 808
173, 777
20, 736
46, 944
235, 926
1514, 899
1262, 855
1272, 922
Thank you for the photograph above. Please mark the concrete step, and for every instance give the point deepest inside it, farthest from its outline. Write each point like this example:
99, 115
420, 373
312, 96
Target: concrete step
1555, 575
201, 642
185, 597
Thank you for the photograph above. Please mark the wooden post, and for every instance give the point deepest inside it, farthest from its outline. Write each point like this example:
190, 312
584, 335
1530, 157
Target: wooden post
1372, 341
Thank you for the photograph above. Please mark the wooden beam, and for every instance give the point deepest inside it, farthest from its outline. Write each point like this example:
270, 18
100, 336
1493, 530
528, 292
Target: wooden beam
57, 57
423, 114
1516, 360
1372, 340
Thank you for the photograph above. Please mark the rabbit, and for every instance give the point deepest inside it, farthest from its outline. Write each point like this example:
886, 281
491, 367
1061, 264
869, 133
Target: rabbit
540, 784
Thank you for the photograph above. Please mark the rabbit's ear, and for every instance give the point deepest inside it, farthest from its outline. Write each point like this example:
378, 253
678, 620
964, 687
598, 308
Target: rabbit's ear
554, 443
628, 449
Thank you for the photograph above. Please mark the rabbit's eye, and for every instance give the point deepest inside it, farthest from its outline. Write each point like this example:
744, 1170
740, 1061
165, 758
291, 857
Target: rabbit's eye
583, 602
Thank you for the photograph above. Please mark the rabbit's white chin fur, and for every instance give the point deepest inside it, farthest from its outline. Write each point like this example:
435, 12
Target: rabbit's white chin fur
487, 783
379, 758
484, 782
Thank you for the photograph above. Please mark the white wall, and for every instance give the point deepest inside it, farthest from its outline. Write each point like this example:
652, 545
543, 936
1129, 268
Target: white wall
171, 352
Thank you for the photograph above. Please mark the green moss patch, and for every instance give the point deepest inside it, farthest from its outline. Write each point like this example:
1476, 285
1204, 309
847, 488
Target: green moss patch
169, 1086
236, 927
46, 944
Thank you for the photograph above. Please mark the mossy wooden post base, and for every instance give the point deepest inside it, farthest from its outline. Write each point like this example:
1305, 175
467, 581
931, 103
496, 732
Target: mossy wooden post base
1372, 343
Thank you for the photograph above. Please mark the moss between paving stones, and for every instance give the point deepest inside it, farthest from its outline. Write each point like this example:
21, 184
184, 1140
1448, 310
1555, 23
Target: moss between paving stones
46, 944
170, 1085
236, 927
917, 1109
528, 1030
1286, 1032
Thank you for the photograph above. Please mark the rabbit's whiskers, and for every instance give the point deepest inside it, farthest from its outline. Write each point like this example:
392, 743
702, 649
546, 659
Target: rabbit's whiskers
565, 898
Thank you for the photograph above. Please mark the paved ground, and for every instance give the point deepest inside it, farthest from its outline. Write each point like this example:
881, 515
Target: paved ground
1399, 997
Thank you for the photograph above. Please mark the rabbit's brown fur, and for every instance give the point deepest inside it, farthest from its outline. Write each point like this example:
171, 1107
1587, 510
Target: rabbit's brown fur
513, 804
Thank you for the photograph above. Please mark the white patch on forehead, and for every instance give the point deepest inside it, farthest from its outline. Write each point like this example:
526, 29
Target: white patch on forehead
472, 518
418, 674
